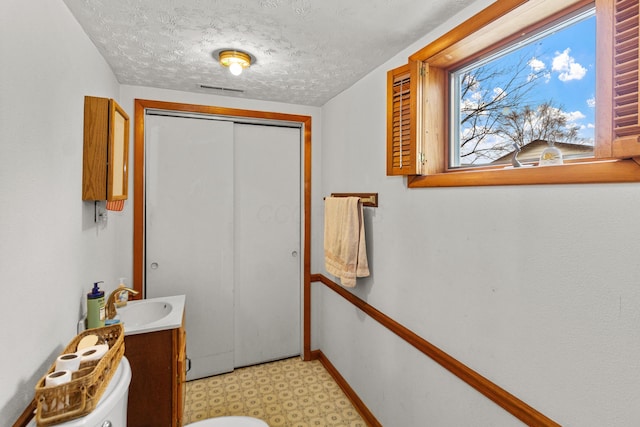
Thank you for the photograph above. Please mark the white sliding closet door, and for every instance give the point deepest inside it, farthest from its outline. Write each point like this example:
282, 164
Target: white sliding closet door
267, 243
189, 231
222, 226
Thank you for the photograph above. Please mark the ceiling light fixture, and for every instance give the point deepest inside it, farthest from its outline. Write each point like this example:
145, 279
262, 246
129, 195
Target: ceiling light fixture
235, 60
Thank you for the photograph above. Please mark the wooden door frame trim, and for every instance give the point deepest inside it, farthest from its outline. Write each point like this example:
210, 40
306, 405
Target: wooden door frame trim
141, 105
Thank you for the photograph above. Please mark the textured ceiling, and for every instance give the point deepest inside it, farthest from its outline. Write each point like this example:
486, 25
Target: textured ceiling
306, 51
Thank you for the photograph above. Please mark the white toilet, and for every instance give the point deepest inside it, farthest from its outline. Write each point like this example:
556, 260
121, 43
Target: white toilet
229, 422
111, 410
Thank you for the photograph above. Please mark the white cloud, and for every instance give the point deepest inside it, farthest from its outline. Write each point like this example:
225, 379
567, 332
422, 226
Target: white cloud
536, 65
573, 116
568, 68
591, 102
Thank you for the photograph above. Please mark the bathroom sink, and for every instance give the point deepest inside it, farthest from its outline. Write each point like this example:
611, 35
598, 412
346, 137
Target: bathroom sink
154, 314
141, 313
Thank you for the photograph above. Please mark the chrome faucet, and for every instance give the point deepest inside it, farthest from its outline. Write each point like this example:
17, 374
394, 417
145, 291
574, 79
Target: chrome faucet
111, 301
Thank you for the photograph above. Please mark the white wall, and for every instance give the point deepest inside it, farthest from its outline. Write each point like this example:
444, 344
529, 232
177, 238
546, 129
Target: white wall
535, 287
50, 249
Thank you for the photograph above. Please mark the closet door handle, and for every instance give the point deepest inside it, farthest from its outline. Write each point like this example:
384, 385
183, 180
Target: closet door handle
294, 254
154, 266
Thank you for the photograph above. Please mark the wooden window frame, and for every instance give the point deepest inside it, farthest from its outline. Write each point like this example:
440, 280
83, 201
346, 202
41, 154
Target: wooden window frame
615, 159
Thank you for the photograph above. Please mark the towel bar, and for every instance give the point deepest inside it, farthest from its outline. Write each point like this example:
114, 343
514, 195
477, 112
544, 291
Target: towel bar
367, 199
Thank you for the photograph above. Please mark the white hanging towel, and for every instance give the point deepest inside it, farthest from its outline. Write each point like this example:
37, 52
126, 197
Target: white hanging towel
345, 248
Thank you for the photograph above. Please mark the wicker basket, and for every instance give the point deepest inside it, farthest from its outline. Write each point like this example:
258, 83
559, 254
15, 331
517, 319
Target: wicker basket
80, 396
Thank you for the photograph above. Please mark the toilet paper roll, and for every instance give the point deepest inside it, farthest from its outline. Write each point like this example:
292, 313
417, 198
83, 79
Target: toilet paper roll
57, 378
93, 353
54, 379
68, 362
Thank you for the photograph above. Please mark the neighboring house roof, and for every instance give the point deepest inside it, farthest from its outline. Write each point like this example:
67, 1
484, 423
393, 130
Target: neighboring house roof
531, 151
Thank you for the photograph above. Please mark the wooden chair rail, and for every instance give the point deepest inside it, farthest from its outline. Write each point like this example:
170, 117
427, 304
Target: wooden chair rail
498, 395
26, 415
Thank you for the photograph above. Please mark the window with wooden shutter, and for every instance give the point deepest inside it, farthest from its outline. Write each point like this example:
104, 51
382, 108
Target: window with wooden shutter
616, 154
402, 142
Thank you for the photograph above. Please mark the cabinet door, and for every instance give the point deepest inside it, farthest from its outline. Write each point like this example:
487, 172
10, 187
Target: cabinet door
118, 153
151, 398
106, 150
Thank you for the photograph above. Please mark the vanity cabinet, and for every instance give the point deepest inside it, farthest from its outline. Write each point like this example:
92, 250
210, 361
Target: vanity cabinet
105, 151
156, 393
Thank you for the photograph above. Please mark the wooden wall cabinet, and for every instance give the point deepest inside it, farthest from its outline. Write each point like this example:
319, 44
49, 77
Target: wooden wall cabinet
158, 373
106, 150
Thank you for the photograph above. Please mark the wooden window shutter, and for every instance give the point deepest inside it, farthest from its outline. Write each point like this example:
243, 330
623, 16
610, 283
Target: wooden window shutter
402, 126
625, 132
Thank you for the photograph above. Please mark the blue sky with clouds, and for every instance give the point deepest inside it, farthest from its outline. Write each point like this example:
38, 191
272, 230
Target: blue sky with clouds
567, 59
560, 63
561, 66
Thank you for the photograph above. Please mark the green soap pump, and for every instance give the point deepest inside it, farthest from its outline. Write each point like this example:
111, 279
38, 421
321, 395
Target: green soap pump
95, 307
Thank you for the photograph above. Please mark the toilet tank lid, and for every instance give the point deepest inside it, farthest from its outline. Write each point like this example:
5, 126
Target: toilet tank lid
117, 389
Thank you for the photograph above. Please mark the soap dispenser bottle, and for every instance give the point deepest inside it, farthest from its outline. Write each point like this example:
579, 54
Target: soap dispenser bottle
95, 307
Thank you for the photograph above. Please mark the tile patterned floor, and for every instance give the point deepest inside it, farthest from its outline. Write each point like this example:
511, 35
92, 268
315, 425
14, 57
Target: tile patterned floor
285, 393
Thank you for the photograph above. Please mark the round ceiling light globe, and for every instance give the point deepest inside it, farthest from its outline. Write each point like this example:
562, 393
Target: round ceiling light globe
235, 68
